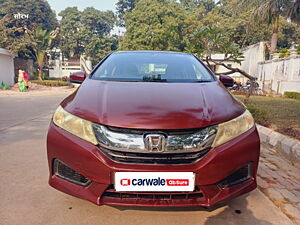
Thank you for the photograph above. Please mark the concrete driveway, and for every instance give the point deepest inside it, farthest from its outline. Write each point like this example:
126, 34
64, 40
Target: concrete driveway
26, 198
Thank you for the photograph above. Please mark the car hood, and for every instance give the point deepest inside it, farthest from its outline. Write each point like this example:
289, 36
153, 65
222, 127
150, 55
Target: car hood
153, 105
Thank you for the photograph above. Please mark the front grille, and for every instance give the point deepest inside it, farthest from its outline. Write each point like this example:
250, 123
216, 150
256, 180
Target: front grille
154, 158
111, 193
154, 146
63, 171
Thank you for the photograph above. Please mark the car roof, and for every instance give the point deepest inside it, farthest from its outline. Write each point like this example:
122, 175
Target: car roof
152, 51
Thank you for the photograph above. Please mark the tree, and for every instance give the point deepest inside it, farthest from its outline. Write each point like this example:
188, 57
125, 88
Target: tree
294, 12
155, 25
71, 43
43, 40
288, 34
208, 5
206, 41
124, 6
96, 28
86, 32
270, 11
3, 8
97, 22
98, 48
231, 21
14, 31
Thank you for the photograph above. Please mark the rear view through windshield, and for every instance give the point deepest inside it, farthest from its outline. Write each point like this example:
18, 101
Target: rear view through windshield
161, 67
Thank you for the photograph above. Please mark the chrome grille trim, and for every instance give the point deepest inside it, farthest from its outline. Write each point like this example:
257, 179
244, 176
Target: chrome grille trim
180, 147
199, 140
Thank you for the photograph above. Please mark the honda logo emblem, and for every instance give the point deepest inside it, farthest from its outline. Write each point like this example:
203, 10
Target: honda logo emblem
155, 142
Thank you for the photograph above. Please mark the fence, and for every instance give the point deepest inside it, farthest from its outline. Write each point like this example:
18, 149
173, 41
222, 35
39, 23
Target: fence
280, 75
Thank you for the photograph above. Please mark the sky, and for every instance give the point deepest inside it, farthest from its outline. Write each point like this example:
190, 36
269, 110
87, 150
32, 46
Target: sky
59, 5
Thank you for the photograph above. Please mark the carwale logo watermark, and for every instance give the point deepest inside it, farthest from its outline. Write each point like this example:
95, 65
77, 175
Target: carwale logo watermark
154, 181
21, 16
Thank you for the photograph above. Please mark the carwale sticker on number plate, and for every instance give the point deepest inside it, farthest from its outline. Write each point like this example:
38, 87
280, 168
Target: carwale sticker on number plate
154, 181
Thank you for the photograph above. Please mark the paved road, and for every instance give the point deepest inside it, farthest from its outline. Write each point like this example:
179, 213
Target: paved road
21, 107
26, 198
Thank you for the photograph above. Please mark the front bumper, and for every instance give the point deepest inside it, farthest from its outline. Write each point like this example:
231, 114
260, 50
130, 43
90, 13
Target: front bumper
88, 160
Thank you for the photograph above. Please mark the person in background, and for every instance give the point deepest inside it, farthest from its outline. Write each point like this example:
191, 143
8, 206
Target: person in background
26, 78
20, 75
21, 81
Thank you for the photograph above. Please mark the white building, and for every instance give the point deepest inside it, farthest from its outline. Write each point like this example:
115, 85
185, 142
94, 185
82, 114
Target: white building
59, 68
274, 76
7, 71
253, 55
280, 75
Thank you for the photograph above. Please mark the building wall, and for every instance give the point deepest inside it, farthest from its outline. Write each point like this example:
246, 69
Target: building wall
24, 64
6, 67
253, 55
58, 69
280, 75
274, 76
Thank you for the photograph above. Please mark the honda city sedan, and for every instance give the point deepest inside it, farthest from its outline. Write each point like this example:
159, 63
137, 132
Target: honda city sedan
152, 128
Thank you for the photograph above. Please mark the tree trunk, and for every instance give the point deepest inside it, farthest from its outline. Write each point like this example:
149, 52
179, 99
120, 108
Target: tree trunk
275, 35
208, 64
40, 73
237, 70
249, 92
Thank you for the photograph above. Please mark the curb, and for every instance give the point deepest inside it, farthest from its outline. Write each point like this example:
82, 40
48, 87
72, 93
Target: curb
285, 146
40, 92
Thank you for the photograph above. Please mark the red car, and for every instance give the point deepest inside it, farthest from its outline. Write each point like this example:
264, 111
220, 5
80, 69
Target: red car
150, 128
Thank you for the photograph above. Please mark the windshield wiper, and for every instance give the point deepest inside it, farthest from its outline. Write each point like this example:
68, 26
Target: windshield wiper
154, 78
202, 81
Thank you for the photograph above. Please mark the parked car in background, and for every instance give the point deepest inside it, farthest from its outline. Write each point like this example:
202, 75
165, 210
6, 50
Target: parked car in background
151, 128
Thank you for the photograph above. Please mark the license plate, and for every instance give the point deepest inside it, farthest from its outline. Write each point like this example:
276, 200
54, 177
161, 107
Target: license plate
154, 181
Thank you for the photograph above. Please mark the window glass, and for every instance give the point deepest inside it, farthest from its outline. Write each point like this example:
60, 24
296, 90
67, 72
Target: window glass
152, 66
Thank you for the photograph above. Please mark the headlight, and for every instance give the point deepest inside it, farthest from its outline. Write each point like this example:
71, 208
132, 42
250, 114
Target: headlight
74, 125
233, 128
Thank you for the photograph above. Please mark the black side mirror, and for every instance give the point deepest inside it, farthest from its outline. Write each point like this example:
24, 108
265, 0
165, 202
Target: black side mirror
227, 81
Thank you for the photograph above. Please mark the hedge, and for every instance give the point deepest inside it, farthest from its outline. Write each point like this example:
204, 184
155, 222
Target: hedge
51, 83
292, 94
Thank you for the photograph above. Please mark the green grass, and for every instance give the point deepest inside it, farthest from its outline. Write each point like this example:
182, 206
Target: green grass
281, 114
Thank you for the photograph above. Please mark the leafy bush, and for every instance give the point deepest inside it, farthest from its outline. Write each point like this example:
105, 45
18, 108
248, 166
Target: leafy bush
260, 116
292, 94
65, 78
51, 83
284, 52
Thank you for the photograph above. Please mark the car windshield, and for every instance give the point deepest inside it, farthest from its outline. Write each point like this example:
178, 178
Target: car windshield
152, 67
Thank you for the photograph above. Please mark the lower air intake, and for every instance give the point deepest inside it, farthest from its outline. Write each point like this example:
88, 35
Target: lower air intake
239, 176
63, 171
